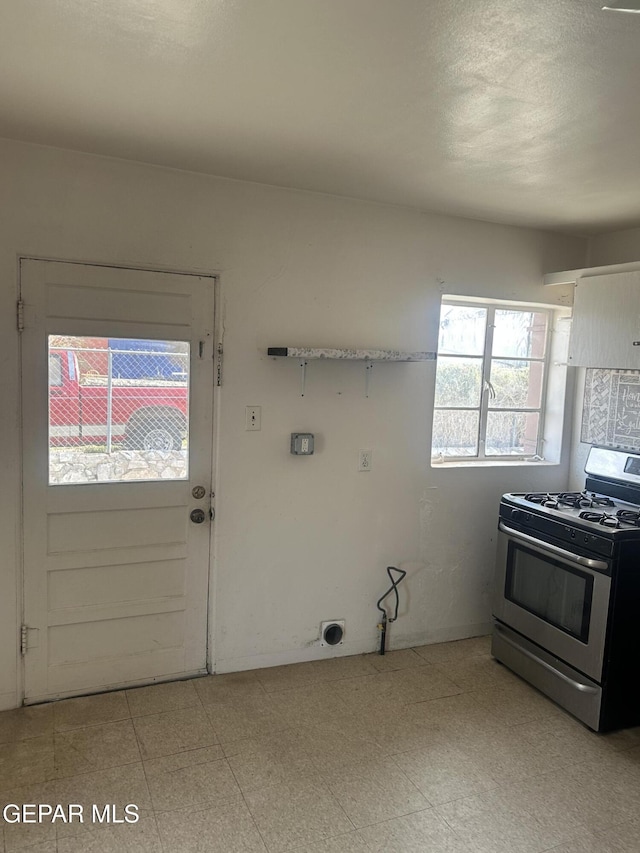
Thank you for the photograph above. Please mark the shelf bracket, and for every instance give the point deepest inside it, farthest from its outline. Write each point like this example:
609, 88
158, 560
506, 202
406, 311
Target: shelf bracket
303, 369
367, 377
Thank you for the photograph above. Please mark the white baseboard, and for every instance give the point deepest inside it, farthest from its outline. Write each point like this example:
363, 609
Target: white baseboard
317, 652
9, 701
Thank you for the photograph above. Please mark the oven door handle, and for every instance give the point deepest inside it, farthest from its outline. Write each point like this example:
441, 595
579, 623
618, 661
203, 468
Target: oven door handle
546, 547
577, 685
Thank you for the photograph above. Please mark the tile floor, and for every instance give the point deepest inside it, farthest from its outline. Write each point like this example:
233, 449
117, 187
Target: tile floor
437, 748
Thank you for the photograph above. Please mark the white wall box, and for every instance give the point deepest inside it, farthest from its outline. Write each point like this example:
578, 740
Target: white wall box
606, 322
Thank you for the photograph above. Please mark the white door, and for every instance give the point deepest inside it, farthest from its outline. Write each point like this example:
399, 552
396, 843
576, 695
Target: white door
117, 388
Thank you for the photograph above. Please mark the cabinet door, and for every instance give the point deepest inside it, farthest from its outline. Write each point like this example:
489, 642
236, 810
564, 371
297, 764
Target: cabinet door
606, 321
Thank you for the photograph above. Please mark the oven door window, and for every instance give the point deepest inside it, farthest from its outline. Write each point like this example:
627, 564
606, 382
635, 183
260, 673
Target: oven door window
551, 590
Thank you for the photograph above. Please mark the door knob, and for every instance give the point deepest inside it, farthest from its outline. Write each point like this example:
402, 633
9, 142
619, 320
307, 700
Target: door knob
197, 516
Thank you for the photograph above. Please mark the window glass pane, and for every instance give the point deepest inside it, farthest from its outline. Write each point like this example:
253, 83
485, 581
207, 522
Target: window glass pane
120, 411
519, 334
512, 433
516, 384
458, 381
455, 433
462, 330
55, 370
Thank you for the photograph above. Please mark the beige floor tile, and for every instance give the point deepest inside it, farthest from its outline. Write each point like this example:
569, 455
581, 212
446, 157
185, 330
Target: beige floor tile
333, 751
119, 786
292, 676
517, 703
348, 667
173, 731
442, 772
286, 742
450, 712
352, 842
227, 828
28, 722
294, 816
547, 799
161, 697
506, 756
421, 832
606, 792
272, 767
26, 762
229, 687
247, 718
394, 729
568, 739
477, 672
507, 833
456, 650
17, 836
624, 838
90, 711
399, 687
141, 837
399, 659
95, 748
41, 847
375, 791
310, 705
186, 779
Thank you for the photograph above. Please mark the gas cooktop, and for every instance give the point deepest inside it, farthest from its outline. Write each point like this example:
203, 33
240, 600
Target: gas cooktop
584, 509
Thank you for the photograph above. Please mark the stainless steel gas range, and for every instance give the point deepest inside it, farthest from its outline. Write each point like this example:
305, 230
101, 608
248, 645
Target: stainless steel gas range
567, 595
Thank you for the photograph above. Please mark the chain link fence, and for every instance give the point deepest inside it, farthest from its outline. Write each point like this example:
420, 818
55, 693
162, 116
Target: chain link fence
118, 409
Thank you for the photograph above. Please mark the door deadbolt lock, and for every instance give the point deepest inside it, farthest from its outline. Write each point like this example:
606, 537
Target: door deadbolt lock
198, 492
197, 516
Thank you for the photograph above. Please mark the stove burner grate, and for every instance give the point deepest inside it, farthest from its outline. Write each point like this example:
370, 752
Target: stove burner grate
576, 500
602, 518
629, 516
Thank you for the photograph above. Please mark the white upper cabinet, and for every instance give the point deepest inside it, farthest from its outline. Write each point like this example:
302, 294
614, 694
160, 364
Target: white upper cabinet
606, 321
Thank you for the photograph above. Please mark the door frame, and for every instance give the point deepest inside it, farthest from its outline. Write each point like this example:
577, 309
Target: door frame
218, 348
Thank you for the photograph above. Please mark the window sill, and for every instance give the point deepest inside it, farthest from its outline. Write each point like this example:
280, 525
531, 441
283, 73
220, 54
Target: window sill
497, 463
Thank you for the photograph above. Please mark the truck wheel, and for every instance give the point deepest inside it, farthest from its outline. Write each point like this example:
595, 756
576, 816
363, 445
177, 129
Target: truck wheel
163, 437
154, 433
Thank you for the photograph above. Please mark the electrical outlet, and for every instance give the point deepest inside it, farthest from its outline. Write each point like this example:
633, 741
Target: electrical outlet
253, 417
364, 461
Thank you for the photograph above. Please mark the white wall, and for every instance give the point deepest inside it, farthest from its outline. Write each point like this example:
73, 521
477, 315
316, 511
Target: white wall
298, 539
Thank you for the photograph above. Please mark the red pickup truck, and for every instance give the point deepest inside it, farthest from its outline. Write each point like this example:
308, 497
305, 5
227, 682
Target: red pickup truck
143, 414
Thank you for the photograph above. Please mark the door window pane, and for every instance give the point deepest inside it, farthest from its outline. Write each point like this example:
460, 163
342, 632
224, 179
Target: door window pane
118, 410
455, 433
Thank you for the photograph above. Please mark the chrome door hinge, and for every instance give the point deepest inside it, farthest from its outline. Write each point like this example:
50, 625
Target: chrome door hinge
219, 366
20, 315
24, 639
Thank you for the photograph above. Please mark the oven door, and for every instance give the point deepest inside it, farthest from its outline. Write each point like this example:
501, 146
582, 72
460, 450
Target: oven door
556, 599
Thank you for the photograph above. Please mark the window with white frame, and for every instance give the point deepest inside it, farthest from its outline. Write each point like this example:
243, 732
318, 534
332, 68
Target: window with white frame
490, 381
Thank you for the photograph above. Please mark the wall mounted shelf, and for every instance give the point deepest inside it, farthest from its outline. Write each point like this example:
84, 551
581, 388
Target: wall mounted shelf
351, 354
369, 356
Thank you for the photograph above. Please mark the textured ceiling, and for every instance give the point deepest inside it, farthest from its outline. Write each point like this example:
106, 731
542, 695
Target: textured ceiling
521, 111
